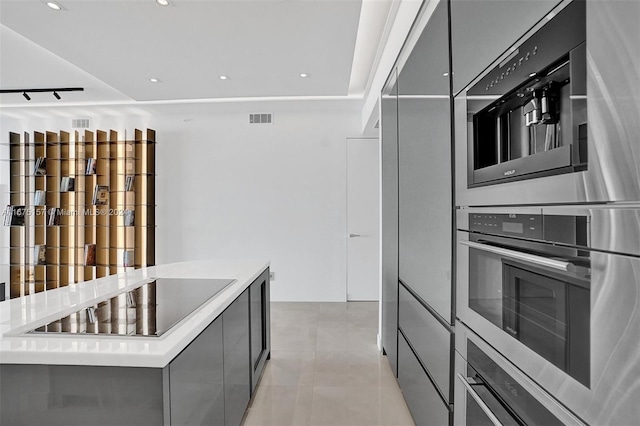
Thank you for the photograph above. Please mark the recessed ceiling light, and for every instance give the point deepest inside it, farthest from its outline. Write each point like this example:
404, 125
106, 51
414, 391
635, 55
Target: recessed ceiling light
163, 2
224, 77
53, 5
154, 80
303, 75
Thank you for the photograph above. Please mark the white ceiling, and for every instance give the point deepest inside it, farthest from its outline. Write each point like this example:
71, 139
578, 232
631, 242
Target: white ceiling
112, 48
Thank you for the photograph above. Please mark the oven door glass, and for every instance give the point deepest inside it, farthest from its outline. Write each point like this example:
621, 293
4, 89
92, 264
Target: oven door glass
485, 285
535, 312
549, 312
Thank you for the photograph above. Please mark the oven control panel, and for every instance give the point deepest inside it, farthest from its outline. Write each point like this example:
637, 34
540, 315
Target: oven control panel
517, 225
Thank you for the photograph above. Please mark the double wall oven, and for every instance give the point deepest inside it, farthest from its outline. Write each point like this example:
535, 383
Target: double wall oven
548, 226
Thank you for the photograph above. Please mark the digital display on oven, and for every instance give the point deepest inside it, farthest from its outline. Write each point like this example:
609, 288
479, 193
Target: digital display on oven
513, 227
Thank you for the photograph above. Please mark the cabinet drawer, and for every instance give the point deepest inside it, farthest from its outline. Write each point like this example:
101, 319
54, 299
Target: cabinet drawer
429, 338
425, 404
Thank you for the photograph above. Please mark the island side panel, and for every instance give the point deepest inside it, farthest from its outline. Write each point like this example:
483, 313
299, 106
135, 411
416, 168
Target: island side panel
260, 320
237, 359
196, 378
62, 395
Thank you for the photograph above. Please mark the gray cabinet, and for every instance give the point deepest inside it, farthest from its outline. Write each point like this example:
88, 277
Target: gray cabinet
481, 30
62, 395
424, 167
425, 404
259, 317
417, 183
196, 378
432, 341
237, 371
208, 383
389, 235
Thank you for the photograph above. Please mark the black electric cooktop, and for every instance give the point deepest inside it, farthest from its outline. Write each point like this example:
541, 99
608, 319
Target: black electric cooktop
149, 310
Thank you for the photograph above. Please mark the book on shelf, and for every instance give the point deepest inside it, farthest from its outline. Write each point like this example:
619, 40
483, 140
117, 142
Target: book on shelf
40, 166
128, 182
67, 184
53, 216
127, 258
100, 195
90, 255
14, 215
129, 217
39, 198
91, 167
40, 254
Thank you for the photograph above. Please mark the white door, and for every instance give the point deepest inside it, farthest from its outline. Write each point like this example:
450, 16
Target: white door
363, 205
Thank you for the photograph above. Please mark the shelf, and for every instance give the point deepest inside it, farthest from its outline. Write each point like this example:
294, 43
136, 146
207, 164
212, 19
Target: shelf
35, 144
85, 143
83, 227
75, 265
80, 221
77, 175
56, 159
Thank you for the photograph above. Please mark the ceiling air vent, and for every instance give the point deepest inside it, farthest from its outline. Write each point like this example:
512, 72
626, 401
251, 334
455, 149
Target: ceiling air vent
260, 118
80, 123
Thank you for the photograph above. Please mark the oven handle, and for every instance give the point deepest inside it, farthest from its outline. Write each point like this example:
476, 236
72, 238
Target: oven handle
538, 260
479, 401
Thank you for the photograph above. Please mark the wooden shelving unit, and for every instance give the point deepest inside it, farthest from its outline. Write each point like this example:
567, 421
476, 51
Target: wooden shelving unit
48, 252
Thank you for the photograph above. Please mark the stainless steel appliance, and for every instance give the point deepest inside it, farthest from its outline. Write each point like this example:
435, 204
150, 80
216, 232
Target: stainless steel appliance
529, 112
491, 391
555, 290
551, 120
149, 310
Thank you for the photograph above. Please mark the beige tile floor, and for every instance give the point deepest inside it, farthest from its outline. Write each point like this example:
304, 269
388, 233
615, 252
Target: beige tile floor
325, 369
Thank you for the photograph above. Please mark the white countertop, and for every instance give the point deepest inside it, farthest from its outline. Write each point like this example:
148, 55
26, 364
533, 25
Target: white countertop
20, 315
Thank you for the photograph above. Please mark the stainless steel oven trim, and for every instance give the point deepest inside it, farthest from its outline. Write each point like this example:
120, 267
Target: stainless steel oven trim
612, 228
479, 401
526, 257
463, 333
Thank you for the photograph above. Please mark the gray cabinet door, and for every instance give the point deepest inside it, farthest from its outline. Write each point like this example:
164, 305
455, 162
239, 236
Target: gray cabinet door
432, 342
260, 333
197, 380
481, 30
237, 359
425, 404
424, 158
389, 236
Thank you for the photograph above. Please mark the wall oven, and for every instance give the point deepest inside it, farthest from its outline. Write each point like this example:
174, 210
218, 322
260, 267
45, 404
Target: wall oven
490, 391
541, 125
555, 290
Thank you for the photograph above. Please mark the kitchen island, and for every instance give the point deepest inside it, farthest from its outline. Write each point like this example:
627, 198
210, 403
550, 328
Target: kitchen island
75, 356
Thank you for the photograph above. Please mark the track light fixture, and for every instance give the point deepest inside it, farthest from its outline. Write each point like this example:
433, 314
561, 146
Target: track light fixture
25, 92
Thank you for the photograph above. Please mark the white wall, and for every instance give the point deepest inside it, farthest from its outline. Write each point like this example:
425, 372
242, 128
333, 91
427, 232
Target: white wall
228, 189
